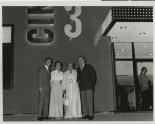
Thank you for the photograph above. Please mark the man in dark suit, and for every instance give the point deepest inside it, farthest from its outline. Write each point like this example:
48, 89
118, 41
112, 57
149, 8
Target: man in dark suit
86, 79
44, 89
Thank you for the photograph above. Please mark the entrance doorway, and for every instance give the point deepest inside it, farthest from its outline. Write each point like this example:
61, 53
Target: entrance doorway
129, 58
125, 87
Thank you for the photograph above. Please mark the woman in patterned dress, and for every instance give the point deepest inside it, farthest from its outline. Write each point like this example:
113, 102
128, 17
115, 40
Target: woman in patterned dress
56, 97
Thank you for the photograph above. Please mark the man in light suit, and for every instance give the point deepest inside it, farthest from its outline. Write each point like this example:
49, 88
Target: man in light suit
44, 89
87, 79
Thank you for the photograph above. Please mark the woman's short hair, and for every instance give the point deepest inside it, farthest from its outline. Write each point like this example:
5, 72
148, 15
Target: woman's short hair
71, 62
143, 68
59, 63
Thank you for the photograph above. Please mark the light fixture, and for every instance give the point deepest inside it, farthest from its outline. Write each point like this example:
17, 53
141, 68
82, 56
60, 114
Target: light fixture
142, 33
128, 46
123, 27
114, 37
122, 50
117, 54
145, 46
150, 54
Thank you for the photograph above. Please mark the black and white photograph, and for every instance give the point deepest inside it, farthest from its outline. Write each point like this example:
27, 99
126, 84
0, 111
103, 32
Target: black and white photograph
77, 63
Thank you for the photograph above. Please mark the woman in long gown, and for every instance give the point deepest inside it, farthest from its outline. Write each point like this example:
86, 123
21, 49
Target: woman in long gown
56, 97
73, 109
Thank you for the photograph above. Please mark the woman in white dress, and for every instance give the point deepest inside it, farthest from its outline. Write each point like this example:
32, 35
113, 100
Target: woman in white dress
56, 97
73, 109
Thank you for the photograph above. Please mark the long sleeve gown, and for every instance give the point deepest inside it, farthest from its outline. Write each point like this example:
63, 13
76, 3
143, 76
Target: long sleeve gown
73, 95
56, 96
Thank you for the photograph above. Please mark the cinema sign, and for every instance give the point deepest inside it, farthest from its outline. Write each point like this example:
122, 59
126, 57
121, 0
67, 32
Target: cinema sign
40, 23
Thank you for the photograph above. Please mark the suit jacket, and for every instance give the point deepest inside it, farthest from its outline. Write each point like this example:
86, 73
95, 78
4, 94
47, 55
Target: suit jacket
44, 78
86, 78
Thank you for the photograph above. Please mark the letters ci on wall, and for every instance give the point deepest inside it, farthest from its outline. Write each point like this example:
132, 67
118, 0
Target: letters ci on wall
41, 22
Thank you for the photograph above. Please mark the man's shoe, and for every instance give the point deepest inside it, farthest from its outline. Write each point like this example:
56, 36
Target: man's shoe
46, 118
84, 117
39, 118
90, 117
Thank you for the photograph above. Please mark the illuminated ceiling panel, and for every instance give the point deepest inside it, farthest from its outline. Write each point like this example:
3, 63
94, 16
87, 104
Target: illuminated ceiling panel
129, 24
132, 32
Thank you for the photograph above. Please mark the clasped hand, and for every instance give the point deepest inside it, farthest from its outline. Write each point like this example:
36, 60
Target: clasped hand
64, 93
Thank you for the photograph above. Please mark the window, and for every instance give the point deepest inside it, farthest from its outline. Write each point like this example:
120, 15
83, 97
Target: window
124, 72
143, 50
7, 34
123, 50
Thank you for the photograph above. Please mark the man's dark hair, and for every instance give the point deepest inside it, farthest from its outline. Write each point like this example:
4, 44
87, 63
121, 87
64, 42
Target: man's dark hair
82, 57
48, 58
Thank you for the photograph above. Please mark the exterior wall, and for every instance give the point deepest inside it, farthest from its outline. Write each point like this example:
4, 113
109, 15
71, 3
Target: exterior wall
23, 98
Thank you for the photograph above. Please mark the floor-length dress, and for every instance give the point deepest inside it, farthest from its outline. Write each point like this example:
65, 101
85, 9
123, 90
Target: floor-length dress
56, 96
73, 95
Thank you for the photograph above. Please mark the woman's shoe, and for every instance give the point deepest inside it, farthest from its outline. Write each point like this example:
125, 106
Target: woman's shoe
40, 119
57, 118
84, 117
46, 118
90, 117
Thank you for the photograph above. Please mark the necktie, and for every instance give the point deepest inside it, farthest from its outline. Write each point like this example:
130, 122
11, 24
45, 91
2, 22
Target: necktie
81, 68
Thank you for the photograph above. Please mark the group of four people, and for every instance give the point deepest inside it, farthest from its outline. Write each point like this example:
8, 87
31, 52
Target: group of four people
73, 89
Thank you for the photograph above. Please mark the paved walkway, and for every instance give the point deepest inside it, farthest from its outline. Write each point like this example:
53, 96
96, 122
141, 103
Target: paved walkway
130, 116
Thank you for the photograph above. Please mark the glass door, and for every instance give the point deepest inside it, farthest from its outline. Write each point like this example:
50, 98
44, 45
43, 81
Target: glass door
126, 98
